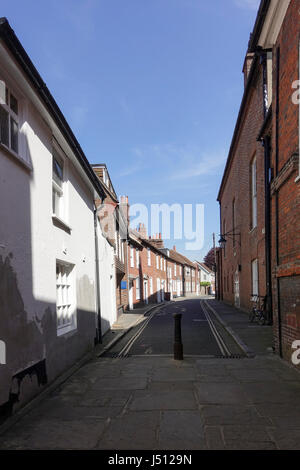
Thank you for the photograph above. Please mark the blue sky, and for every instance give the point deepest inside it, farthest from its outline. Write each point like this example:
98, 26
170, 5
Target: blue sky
152, 88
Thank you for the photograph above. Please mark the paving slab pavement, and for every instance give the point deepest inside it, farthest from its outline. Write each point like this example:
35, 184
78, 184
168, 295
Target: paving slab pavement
155, 403
156, 411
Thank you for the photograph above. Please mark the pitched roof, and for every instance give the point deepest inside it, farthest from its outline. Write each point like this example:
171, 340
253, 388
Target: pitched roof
21, 57
179, 258
204, 266
261, 15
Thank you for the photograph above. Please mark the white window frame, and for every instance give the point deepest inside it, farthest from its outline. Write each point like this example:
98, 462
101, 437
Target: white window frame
254, 277
23, 154
131, 257
161, 263
149, 256
254, 193
137, 257
137, 289
157, 262
7, 93
58, 199
66, 311
175, 269
122, 250
151, 285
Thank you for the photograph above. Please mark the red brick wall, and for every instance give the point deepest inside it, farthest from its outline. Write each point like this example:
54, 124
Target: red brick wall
238, 187
286, 195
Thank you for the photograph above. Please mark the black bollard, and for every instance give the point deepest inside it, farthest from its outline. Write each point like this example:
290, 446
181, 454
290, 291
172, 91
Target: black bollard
178, 348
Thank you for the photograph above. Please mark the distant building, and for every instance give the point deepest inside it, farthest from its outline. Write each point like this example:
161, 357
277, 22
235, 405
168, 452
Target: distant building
206, 276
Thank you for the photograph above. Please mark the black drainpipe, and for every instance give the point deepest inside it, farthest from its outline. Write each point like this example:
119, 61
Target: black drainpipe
276, 200
268, 240
98, 338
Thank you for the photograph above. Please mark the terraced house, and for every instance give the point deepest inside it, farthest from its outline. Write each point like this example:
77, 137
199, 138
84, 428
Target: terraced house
53, 254
260, 194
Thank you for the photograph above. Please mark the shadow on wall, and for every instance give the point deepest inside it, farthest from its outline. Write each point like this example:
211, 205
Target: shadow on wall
34, 352
35, 355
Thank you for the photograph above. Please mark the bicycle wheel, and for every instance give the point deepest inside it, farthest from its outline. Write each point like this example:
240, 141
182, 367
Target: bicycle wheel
252, 316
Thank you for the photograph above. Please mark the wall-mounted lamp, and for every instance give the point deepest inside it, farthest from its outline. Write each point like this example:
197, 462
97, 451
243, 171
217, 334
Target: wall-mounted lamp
232, 235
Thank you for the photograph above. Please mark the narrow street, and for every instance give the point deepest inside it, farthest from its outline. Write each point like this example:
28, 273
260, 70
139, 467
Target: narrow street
201, 334
142, 398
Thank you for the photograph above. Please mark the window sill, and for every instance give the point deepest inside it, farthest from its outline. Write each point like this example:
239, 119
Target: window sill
297, 179
60, 223
15, 156
63, 330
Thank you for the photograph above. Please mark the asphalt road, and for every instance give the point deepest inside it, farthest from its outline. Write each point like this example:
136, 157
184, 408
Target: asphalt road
158, 336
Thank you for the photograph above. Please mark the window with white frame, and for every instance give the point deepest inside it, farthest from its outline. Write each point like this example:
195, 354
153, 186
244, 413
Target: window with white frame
137, 288
149, 256
165, 264
65, 298
254, 270
253, 194
175, 270
157, 262
122, 249
131, 257
137, 256
57, 185
151, 285
9, 119
161, 263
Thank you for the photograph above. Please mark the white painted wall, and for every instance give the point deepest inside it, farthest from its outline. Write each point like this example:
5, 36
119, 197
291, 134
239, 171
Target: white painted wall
30, 244
107, 274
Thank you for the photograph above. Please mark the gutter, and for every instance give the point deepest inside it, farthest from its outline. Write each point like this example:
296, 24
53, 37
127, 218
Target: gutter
260, 19
15, 47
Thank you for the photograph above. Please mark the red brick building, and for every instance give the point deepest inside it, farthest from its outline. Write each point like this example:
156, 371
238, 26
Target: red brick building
259, 195
114, 216
156, 273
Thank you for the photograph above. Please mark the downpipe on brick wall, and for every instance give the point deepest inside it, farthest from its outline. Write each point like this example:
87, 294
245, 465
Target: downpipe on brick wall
98, 338
268, 241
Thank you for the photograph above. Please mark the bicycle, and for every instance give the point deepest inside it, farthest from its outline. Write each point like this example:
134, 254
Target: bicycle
258, 310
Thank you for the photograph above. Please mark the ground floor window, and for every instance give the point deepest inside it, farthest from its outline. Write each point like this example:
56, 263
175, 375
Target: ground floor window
255, 277
65, 298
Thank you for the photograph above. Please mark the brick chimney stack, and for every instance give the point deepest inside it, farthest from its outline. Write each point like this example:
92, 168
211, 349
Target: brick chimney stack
142, 230
174, 248
124, 208
157, 240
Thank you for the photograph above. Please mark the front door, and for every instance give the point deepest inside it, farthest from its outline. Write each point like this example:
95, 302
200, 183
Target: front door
130, 295
237, 289
146, 292
162, 291
158, 291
